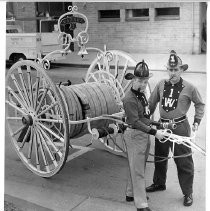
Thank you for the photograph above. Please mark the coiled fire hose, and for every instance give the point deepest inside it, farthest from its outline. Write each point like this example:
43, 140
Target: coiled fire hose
88, 101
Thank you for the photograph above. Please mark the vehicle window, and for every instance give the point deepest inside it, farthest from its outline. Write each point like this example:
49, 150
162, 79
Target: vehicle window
48, 25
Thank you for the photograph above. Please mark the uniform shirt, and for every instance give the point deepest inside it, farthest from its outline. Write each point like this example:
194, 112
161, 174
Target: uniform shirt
175, 100
134, 111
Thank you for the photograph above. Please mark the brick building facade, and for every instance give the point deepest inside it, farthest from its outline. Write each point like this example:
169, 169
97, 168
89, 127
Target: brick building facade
136, 27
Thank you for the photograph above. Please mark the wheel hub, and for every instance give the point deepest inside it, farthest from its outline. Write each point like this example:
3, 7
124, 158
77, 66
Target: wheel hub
27, 120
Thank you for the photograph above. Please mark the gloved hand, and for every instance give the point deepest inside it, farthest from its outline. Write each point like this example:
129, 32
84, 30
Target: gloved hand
195, 127
160, 134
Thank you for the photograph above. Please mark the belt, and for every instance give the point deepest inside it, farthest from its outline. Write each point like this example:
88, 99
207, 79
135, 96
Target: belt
175, 120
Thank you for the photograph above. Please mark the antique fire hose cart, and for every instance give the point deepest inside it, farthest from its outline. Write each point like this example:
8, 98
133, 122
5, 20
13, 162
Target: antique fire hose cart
43, 117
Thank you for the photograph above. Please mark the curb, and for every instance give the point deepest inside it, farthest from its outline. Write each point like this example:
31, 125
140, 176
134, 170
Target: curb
21, 204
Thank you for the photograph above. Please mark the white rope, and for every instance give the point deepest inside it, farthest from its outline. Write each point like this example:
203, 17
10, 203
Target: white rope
186, 141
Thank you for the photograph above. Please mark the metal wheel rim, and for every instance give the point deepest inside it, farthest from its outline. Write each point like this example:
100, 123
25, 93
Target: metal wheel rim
52, 153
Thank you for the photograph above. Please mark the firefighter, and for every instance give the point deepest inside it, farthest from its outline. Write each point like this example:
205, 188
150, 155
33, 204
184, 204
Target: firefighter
136, 136
174, 97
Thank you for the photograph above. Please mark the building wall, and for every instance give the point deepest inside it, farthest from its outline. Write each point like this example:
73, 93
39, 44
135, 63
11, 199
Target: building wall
25, 10
153, 36
203, 21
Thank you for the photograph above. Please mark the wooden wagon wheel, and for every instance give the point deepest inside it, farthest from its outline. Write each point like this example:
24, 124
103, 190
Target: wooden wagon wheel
36, 119
111, 69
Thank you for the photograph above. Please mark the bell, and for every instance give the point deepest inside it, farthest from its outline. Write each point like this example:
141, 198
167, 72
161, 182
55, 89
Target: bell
82, 51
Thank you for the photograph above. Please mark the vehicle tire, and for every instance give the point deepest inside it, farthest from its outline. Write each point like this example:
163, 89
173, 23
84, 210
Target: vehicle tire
19, 57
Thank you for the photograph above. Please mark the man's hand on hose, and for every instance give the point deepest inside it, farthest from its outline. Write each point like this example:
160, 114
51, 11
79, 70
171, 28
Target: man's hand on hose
195, 127
160, 134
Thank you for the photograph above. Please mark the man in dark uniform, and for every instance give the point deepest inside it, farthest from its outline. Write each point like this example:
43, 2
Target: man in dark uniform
136, 136
174, 97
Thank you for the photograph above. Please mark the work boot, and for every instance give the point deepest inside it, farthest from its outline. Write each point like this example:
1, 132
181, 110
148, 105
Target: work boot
154, 187
188, 200
131, 198
144, 209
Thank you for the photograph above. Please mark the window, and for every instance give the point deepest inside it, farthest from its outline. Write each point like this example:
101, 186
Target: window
9, 10
48, 25
55, 9
137, 14
109, 15
52, 9
167, 13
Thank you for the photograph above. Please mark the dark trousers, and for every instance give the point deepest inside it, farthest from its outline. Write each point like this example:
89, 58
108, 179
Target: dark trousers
185, 165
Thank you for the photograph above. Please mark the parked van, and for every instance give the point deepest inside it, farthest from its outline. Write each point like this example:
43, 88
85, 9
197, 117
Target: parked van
21, 45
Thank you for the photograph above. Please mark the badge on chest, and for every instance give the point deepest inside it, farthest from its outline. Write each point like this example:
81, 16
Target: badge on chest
171, 95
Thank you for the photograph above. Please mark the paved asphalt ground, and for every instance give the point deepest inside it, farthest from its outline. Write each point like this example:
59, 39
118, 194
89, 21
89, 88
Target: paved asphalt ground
96, 180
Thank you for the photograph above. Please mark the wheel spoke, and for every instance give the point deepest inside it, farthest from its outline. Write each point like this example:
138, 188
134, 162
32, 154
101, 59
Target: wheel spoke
106, 65
42, 150
54, 116
36, 150
124, 71
103, 78
99, 66
48, 148
51, 132
127, 85
14, 106
47, 109
95, 79
14, 118
40, 102
23, 85
50, 141
25, 137
30, 144
16, 97
54, 126
20, 92
18, 131
30, 85
116, 66
36, 89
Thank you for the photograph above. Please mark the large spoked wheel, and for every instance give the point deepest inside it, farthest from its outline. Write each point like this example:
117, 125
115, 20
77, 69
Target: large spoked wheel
36, 119
111, 69
117, 63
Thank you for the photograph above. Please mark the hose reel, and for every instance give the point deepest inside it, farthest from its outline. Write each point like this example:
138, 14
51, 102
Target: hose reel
88, 100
